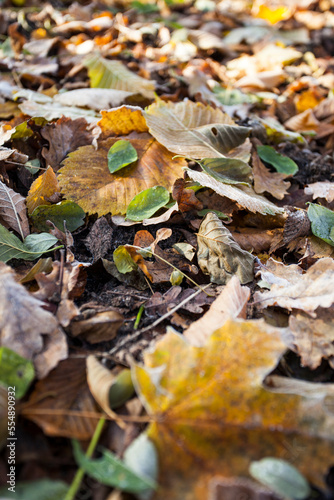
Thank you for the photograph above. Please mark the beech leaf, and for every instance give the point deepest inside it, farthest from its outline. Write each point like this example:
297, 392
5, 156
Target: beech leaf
227, 170
13, 210
146, 203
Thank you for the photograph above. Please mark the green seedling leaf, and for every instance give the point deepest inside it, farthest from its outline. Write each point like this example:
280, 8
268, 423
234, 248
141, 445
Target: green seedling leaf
147, 203
322, 222
43, 489
233, 97
121, 390
227, 170
33, 246
111, 471
123, 260
33, 166
281, 163
64, 211
121, 154
176, 278
282, 477
15, 371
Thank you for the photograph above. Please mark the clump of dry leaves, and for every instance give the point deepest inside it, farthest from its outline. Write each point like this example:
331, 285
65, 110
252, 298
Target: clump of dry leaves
167, 248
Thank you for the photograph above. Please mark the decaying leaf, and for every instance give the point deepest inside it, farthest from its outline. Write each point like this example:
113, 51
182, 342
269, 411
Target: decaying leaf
194, 130
208, 402
62, 404
293, 290
219, 255
41, 189
321, 190
266, 181
13, 210
107, 74
98, 240
245, 196
27, 328
96, 326
86, 179
231, 303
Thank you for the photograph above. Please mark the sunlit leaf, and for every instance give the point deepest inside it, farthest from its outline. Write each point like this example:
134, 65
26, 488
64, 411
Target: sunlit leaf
41, 189
123, 260
146, 203
121, 154
227, 170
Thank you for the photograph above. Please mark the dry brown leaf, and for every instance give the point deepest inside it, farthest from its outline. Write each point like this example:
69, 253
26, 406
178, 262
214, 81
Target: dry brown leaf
293, 290
95, 326
303, 122
64, 135
13, 210
219, 255
98, 240
122, 121
41, 189
245, 196
185, 198
321, 190
314, 338
85, 177
266, 181
62, 404
27, 328
231, 303
254, 240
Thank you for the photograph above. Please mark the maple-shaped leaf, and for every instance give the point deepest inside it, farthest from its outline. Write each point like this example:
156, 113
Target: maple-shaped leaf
198, 131
41, 189
107, 74
85, 177
13, 210
213, 416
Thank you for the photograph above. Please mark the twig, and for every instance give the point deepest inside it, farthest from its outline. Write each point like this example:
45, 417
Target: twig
136, 334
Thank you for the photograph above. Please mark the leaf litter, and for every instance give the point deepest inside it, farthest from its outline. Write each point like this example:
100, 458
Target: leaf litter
166, 238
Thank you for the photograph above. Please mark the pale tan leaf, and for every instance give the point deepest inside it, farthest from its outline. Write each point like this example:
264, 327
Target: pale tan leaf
194, 130
93, 98
321, 190
231, 303
266, 181
245, 196
13, 210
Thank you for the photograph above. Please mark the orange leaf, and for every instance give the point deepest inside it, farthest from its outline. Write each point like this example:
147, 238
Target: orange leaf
213, 416
86, 179
122, 121
42, 188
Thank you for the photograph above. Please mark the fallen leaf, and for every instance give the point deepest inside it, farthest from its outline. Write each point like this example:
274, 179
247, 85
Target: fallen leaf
31, 248
231, 303
27, 328
219, 255
194, 130
98, 240
13, 210
208, 402
282, 164
41, 189
293, 290
107, 74
229, 489
185, 198
64, 135
15, 371
321, 190
245, 196
85, 177
95, 98
147, 203
266, 181
61, 404
322, 222
95, 326
122, 121
53, 110
65, 211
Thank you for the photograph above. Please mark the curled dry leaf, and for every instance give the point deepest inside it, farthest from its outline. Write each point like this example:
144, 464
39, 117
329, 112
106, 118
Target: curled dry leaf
41, 189
293, 290
219, 255
266, 181
185, 198
62, 404
96, 326
13, 210
27, 328
85, 177
231, 303
207, 402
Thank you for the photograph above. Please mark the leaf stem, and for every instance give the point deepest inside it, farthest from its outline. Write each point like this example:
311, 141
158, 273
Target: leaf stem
138, 318
70, 495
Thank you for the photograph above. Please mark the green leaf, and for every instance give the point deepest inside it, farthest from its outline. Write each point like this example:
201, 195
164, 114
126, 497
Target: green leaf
146, 203
43, 489
33, 166
111, 471
15, 371
282, 477
144, 8
121, 390
142, 458
233, 97
121, 154
22, 131
33, 247
322, 222
220, 215
123, 260
227, 170
65, 210
176, 277
281, 163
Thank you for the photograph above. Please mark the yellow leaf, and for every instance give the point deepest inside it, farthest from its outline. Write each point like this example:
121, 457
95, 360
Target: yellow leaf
273, 16
85, 177
122, 121
212, 415
307, 100
41, 189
